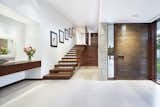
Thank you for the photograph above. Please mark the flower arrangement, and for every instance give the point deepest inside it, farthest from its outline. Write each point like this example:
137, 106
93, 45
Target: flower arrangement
30, 52
3, 51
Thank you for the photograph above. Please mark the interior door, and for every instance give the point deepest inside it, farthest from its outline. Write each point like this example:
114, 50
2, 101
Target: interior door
131, 51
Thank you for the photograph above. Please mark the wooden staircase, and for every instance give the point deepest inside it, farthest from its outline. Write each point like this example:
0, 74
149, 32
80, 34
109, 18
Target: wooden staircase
66, 66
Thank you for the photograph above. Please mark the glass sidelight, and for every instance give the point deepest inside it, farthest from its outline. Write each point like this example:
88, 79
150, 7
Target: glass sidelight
158, 51
110, 44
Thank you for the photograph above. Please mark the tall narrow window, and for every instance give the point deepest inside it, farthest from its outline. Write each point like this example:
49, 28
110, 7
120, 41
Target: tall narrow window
158, 51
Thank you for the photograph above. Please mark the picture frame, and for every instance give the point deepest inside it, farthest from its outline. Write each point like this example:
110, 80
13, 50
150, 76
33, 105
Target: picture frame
61, 36
70, 32
66, 34
53, 39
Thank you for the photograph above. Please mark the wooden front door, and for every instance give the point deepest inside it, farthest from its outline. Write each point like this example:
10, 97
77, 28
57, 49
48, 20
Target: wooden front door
131, 51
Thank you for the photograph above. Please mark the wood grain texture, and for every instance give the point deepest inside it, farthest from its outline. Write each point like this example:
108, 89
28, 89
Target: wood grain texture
18, 67
131, 51
89, 56
152, 51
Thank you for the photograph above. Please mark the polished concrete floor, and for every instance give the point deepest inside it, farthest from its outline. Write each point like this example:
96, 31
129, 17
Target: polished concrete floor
82, 92
86, 73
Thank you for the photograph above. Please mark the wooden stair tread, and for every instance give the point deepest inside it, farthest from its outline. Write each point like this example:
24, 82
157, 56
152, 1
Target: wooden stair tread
70, 58
65, 67
67, 61
70, 64
73, 51
60, 75
70, 55
62, 70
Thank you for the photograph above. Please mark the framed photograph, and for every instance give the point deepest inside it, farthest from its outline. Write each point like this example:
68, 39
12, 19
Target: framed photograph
66, 34
53, 39
70, 32
61, 36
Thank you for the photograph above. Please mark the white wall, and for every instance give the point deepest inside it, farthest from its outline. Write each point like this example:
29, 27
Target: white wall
13, 30
44, 18
80, 36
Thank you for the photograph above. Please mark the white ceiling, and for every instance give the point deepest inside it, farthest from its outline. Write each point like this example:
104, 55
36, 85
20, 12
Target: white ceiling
90, 12
80, 12
129, 10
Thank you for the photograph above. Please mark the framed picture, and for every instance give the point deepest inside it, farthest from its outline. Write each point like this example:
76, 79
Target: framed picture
70, 32
53, 39
66, 34
61, 36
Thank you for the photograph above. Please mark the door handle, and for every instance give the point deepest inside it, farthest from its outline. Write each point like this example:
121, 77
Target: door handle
120, 57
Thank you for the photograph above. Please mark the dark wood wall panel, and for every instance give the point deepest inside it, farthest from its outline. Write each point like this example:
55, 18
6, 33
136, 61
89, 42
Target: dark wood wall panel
131, 51
89, 56
152, 50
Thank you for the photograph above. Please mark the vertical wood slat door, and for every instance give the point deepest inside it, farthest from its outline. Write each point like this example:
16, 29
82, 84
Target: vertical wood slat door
131, 51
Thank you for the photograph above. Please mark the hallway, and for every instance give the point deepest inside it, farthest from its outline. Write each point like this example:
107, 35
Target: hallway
79, 53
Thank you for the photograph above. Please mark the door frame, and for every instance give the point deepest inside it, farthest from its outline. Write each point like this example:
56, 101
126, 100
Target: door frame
115, 57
